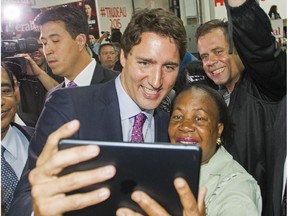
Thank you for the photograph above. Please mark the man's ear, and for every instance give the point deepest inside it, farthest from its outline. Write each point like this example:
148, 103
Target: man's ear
81, 40
122, 58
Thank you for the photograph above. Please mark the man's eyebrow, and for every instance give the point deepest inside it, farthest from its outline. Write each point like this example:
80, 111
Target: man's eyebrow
49, 36
153, 61
171, 63
6, 84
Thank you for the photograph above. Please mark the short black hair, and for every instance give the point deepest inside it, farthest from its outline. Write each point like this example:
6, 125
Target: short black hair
74, 19
9, 73
217, 98
106, 44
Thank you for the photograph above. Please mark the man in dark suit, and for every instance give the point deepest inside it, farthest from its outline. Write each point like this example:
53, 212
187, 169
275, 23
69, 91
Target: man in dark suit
64, 34
106, 112
14, 140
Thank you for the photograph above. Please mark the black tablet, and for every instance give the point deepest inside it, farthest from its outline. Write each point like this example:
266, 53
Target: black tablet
151, 167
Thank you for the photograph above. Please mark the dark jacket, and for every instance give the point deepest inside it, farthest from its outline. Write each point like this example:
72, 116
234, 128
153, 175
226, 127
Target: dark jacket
33, 93
100, 75
255, 98
99, 115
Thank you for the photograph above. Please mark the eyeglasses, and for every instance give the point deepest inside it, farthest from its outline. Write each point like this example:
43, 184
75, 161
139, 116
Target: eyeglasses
107, 53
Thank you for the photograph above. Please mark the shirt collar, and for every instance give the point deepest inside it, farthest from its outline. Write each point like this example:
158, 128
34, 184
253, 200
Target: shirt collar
85, 76
8, 142
128, 108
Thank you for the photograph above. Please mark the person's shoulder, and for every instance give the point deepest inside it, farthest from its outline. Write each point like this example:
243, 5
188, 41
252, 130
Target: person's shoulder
106, 71
28, 131
232, 169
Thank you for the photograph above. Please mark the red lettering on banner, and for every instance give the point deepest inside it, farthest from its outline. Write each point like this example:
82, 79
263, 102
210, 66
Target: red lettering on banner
115, 24
113, 12
218, 1
277, 31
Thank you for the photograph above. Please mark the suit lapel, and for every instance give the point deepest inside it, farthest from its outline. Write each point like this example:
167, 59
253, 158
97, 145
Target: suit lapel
108, 103
98, 74
161, 126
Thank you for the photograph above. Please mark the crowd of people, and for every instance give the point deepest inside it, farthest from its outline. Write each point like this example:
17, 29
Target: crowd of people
231, 102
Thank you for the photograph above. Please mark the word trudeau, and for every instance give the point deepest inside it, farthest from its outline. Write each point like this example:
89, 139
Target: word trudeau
113, 12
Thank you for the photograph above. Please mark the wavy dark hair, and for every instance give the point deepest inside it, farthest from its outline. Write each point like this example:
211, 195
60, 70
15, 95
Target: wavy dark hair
156, 20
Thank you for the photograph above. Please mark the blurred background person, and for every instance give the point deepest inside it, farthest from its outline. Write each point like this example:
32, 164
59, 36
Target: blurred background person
108, 56
92, 40
105, 35
273, 13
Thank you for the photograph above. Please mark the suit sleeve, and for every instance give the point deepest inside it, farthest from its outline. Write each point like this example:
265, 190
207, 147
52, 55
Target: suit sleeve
258, 49
58, 110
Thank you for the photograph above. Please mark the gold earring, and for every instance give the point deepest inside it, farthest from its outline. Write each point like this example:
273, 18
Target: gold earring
218, 141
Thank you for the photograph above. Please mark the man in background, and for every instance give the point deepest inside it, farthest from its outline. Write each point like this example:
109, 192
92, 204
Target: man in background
108, 55
35, 84
252, 76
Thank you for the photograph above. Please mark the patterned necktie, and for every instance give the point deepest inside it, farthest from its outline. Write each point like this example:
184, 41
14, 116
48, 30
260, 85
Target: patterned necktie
137, 134
71, 84
284, 202
9, 182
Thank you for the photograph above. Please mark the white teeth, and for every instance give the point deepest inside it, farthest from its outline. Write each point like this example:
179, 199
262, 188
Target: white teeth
185, 142
218, 71
150, 91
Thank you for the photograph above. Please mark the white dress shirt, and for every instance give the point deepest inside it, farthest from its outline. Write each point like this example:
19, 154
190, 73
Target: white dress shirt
128, 109
85, 76
16, 145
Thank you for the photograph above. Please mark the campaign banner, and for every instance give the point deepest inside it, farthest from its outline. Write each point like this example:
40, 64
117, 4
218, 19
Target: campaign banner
114, 14
277, 26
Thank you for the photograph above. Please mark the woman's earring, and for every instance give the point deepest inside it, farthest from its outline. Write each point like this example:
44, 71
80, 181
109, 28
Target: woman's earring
218, 141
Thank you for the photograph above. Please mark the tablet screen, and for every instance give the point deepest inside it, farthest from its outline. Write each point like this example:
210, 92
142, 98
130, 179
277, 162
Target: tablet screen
151, 167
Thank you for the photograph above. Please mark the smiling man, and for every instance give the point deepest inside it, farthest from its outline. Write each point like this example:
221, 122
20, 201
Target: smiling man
106, 112
252, 79
14, 140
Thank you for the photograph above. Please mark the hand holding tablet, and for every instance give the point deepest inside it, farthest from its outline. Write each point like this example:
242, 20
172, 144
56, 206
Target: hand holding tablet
148, 167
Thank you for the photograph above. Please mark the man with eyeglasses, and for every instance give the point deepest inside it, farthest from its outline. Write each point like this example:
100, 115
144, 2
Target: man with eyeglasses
108, 55
14, 140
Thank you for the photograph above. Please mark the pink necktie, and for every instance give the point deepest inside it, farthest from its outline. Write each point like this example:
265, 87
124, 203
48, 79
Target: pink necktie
137, 135
71, 84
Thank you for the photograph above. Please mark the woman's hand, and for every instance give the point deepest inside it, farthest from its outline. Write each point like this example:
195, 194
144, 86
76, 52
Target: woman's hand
152, 208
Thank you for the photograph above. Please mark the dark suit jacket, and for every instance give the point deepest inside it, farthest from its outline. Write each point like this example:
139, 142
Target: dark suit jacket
100, 75
278, 152
28, 133
26, 130
97, 109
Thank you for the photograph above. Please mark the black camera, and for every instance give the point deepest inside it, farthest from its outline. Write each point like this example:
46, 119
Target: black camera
11, 47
